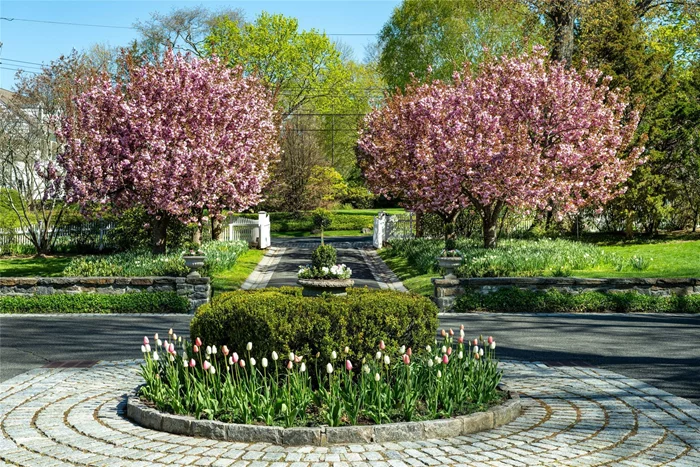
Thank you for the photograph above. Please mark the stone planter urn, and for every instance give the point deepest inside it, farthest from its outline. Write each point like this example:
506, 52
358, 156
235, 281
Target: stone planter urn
449, 264
194, 263
316, 287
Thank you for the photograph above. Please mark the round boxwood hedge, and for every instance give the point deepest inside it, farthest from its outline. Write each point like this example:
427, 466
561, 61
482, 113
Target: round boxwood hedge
281, 319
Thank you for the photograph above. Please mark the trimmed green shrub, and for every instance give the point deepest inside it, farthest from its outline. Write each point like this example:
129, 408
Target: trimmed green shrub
515, 300
157, 302
281, 319
324, 256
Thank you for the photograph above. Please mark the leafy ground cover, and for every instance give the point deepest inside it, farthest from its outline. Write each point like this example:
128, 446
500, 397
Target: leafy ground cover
232, 278
411, 277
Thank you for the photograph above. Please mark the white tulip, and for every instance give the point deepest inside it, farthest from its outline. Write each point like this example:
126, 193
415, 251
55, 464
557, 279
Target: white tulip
174, 337
444, 349
379, 355
329, 368
291, 356
481, 352
249, 346
439, 374
377, 377
493, 345
475, 349
143, 349
386, 360
208, 350
159, 342
460, 355
302, 368
430, 363
148, 347
252, 361
171, 358
461, 332
213, 349
155, 356
428, 348
264, 362
334, 355
230, 361
212, 370
402, 349
275, 356
365, 368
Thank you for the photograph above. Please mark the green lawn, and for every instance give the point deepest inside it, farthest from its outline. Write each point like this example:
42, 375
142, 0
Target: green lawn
232, 279
30, 266
411, 278
666, 259
329, 233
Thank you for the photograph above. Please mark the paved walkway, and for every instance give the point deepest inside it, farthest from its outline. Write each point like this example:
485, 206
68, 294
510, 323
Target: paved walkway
572, 417
281, 263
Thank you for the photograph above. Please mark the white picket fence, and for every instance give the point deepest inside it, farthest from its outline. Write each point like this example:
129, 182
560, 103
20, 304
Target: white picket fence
391, 227
254, 231
89, 232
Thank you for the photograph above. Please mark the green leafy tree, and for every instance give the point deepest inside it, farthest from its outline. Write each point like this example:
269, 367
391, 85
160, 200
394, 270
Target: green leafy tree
301, 67
442, 35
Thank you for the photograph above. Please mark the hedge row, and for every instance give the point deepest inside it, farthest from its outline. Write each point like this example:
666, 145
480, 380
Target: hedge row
552, 301
282, 320
157, 302
288, 222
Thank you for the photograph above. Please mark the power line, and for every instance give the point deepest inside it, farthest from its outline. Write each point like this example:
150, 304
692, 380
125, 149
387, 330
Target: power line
66, 23
21, 61
19, 69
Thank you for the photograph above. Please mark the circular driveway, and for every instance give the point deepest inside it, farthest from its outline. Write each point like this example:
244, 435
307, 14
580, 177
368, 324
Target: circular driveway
572, 416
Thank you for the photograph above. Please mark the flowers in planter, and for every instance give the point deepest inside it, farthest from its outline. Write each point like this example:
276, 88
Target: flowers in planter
451, 254
453, 377
337, 271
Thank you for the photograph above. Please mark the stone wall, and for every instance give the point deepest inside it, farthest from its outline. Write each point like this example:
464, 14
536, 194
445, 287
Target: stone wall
197, 290
447, 290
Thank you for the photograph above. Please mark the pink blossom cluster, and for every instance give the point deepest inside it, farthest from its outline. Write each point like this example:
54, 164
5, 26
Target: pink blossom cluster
179, 136
518, 131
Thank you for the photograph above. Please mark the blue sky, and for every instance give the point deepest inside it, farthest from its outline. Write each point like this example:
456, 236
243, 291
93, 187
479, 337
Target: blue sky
41, 43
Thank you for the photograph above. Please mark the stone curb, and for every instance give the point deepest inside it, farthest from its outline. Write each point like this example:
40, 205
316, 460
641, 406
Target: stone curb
496, 416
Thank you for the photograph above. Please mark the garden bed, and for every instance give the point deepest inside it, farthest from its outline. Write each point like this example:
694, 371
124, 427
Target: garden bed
463, 425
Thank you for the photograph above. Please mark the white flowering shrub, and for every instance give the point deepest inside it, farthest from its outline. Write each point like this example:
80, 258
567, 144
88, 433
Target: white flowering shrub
337, 271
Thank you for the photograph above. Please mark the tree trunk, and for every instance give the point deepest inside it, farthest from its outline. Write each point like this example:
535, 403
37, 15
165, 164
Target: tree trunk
419, 224
450, 230
629, 230
197, 235
216, 229
562, 14
489, 221
159, 235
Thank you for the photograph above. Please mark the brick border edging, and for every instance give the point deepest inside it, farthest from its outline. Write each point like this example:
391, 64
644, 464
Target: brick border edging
494, 417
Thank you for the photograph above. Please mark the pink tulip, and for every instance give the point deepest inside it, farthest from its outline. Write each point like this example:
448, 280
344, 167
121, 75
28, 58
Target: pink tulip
171, 349
206, 365
198, 341
476, 356
443, 333
145, 340
241, 362
445, 360
348, 365
406, 359
476, 342
381, 345
192, 363
452, 333
297, 358
461, 327
460, 340
235, 357
290, 365
449, 351
409, 352
224, 350
490, 339
195, 348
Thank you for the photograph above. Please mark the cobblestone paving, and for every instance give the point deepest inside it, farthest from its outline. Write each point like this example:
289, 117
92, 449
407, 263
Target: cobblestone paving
572, 417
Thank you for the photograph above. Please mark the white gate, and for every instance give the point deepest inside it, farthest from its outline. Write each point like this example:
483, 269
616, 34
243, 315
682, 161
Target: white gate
255, 231
395, 226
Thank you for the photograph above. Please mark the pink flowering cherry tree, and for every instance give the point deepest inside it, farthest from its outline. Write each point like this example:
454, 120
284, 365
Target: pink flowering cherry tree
522, 132
180, 136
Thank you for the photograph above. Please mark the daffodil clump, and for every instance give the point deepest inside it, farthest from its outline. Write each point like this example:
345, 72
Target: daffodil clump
452, 377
